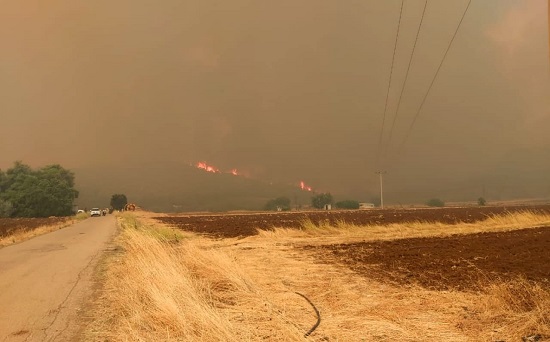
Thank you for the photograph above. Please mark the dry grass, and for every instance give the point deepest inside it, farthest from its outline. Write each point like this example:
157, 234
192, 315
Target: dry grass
349, 232
20, 235
516, 309
172, 286
170, 289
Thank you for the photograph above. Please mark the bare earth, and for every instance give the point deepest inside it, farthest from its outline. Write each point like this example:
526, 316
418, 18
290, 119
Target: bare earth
458, 262
44, 281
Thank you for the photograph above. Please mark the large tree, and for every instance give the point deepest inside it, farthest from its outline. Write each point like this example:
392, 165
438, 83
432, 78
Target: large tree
44, 192
118, 201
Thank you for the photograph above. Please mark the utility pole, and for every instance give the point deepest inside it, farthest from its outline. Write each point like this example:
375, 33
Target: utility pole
380, 173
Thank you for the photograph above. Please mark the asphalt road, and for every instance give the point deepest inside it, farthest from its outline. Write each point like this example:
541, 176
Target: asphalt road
45, 281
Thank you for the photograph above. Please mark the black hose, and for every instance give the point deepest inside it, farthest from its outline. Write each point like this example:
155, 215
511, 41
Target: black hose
316, 311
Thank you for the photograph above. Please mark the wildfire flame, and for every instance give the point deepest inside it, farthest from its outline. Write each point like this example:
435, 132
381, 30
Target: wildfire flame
207, 168
305, 187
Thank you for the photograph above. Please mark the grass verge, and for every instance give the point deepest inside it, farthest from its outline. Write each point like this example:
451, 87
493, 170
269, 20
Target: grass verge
165, 287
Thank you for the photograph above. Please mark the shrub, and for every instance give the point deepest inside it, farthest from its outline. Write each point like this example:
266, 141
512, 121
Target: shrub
282, 203
347, 204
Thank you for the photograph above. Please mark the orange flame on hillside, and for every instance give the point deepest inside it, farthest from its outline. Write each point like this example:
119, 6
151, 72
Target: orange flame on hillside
305, 187
209, 168
206, 167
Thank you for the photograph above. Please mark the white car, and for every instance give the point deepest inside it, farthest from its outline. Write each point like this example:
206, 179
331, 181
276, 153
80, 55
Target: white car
95, 212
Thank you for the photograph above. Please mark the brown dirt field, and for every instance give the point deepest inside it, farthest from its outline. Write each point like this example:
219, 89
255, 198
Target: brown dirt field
235, 225
460, 262
11, 225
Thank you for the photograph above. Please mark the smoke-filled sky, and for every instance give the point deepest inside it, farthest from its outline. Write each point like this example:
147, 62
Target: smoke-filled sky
284, 90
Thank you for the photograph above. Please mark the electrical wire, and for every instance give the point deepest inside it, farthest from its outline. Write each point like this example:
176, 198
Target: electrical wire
434, 78
389, 85
406, 77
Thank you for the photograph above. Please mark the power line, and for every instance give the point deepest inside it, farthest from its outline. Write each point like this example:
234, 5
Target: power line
406, 76
389, 84
434, 78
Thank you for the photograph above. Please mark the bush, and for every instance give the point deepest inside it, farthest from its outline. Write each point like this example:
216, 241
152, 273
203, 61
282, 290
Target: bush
279, 203
435, 202
319, 201
347, 204
481, 201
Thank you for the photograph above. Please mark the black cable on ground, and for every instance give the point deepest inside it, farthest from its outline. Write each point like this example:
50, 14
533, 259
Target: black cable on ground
316, 312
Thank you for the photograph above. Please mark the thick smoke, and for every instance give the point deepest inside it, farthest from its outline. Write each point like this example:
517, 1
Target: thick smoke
284, 91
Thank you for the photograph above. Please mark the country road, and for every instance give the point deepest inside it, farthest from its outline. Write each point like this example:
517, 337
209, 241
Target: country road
45, 281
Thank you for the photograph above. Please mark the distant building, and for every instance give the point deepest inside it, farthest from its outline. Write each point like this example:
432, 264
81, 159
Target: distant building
366, 205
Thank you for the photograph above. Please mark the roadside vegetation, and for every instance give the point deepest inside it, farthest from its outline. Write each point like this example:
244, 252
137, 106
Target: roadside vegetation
165, 284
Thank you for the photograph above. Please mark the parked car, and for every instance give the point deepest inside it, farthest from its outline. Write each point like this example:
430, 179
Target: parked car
95, 212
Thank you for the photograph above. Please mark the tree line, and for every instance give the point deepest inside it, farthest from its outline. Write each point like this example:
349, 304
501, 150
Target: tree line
318, 201
42, 192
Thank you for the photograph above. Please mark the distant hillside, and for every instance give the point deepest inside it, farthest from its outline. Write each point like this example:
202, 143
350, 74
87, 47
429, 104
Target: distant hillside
170, 187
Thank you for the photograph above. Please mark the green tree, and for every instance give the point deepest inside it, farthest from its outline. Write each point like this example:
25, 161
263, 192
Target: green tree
3, 180
6, 208
435, 202
319, 201
348, 204
481, 201
48, 191
118, 201
280, 202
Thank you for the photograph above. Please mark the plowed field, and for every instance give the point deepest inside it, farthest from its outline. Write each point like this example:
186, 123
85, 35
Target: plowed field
10, 225
459, 262
234, 225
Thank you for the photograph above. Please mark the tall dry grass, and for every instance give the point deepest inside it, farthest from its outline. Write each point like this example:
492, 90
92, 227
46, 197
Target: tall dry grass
166, 285
343, 230
516, 309
163, 287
